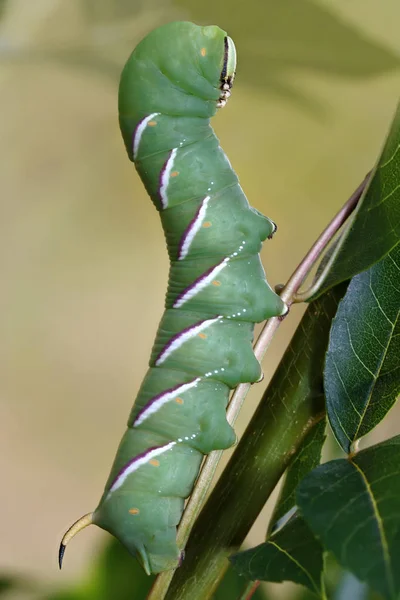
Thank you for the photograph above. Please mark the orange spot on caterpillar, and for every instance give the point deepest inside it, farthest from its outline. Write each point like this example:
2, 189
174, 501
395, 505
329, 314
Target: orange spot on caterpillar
154, 462
134, 511
216, 282
202, 336
207, 224
174, 173
179, 400
203, 51
152, 123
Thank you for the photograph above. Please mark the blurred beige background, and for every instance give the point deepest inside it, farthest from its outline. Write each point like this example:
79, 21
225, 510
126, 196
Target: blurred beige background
83, 264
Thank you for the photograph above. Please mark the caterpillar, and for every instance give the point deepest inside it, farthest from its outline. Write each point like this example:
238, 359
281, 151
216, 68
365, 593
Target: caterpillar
172, 84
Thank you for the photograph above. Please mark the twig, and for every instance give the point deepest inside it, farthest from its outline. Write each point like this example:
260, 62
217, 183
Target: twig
289, 295
249, 590
327, 235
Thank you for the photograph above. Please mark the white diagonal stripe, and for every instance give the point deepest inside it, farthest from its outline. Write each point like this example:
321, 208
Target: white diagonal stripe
153, 407
139, 132
194, 228
201, 284
165, 177
135, 464
184, 337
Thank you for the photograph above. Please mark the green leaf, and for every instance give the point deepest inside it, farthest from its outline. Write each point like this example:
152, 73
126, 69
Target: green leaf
353, 507
306, 459
362, 370
375, 228
290, 554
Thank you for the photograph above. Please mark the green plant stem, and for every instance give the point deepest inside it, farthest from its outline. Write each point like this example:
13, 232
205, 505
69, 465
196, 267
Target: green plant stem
288, 293
323, 589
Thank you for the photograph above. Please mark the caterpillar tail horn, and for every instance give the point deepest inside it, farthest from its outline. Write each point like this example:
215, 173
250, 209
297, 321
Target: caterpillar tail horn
71, 532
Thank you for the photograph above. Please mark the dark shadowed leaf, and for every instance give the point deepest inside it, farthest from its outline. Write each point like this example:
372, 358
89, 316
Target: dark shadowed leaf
353, 507
306, 459
290, 554
375, 228
362, 370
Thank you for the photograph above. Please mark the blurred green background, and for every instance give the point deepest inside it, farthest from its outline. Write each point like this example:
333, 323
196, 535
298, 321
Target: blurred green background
83, 264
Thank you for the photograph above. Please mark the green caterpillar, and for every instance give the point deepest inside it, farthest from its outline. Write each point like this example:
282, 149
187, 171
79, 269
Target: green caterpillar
172, 84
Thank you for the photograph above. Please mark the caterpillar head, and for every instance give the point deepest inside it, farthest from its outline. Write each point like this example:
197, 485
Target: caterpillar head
180, 69
228, 71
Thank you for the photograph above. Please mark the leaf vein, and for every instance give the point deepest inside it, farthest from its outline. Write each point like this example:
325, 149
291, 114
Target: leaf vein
290, 557
381, 529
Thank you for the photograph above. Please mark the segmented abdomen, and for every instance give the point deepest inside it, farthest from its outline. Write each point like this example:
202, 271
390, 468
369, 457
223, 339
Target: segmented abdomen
203, 349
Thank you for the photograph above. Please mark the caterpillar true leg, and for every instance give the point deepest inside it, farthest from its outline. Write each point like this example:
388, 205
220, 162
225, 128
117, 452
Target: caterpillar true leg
171, 86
